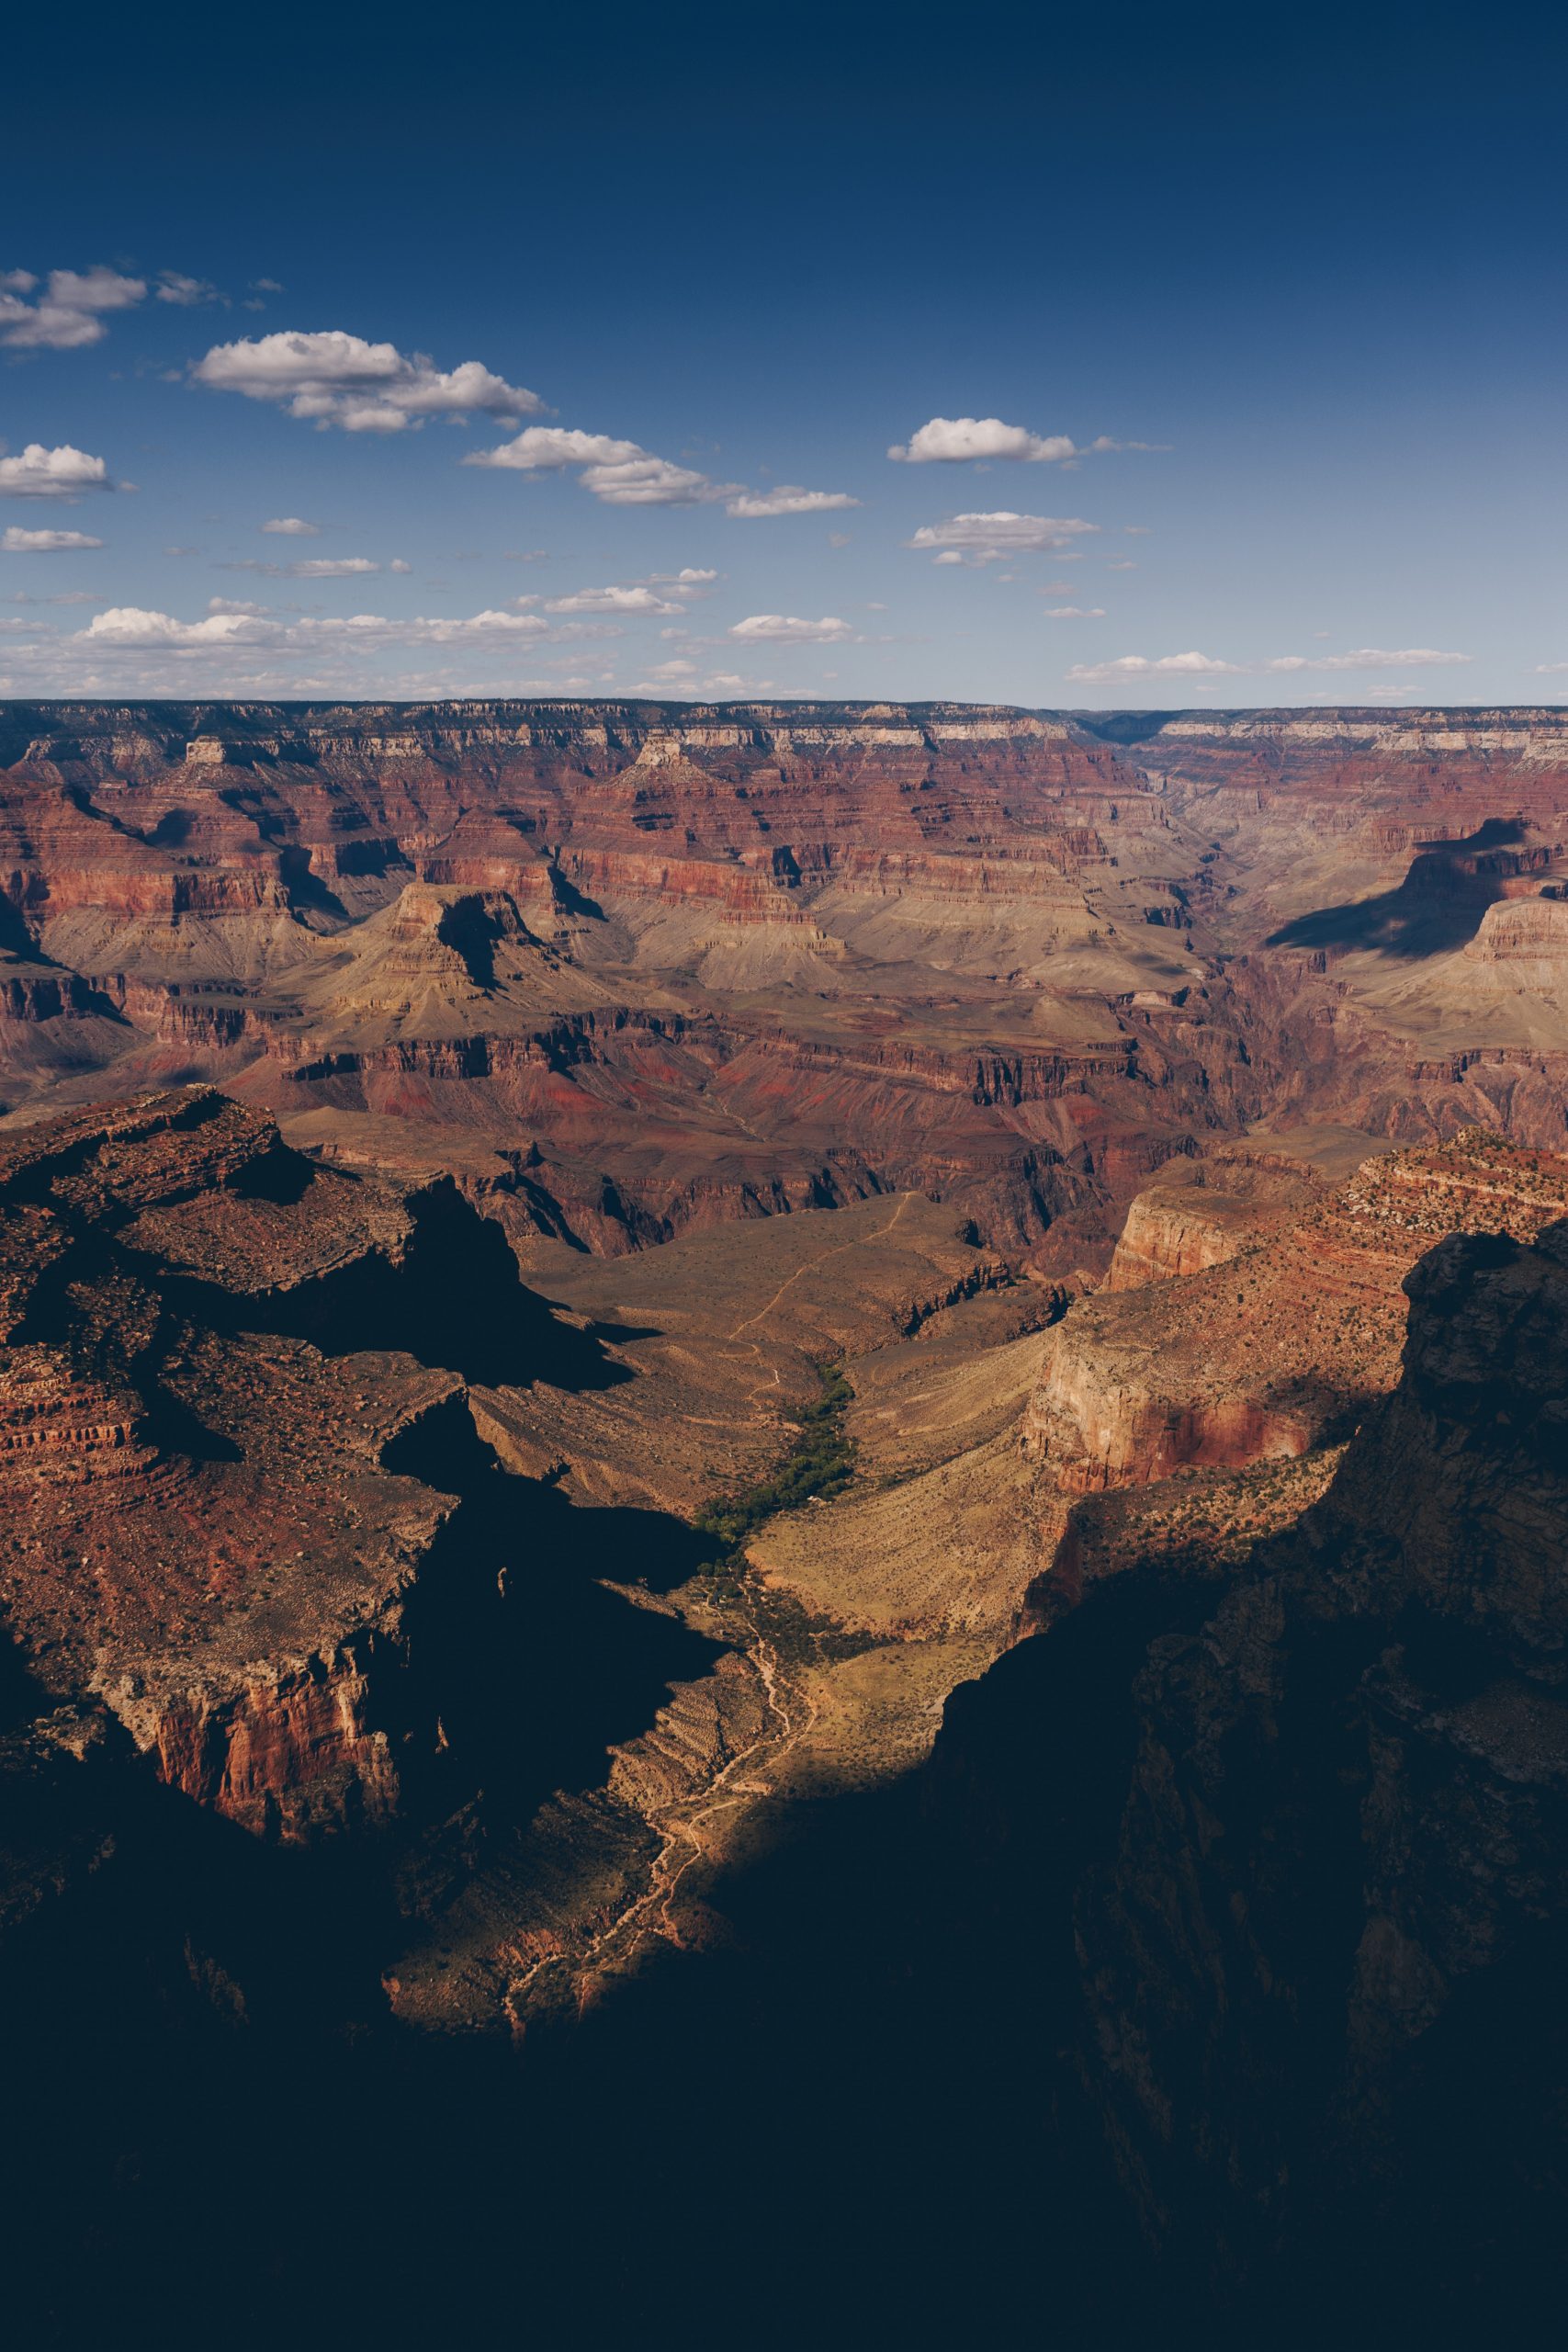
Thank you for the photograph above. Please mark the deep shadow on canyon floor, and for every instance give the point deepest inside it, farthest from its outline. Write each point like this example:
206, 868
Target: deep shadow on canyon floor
856, 2121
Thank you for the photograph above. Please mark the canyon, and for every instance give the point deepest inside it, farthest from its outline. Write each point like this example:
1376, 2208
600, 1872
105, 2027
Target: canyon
741, 1442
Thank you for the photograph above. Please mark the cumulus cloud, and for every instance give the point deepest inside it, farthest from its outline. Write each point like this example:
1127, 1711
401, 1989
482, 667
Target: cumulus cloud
338, 378
675, 680
64, 472
68, 312
1136, 666
948, 440
331, 567
187, 292
1075, 612
785, 628
632, 600
130, 627
986, 538
1371, 657
16, 541
315, 567
619, 473
787, 499
293, 526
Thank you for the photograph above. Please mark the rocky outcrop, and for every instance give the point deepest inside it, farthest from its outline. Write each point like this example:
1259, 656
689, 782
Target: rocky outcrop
1312, 1942
1174, 1229
199, 1420
1522, 930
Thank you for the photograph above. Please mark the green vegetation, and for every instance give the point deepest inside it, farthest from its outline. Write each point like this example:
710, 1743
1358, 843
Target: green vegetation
821, 1462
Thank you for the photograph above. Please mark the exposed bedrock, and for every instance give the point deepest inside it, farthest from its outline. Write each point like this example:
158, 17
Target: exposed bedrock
1294, 1859
1282, 1343
246, 1507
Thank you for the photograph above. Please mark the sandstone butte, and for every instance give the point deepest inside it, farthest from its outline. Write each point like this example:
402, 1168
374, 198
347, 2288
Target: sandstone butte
449, 1152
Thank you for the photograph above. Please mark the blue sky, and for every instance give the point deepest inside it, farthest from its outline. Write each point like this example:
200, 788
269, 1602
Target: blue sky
678, 270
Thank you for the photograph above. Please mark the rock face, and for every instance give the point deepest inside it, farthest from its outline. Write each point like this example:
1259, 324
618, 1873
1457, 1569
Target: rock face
1314, 1942
1522, 930
203, 1530
1281, 1344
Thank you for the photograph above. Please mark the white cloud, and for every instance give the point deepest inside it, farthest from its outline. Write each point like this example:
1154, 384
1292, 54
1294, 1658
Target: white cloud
1136, 666
787, 499
1075, 612
398, 564
947, 440
785, 628
128, 627
665, 675
187, 292
619, 473
986, 538
16, 541
674, 680
67, 314
948, 555
64, 472
234, 605
338, 378
331, 567
1371, 657
293, 526
314, 567
632, 600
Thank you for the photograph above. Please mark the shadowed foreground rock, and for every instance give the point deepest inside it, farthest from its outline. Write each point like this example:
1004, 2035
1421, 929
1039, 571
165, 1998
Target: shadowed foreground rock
1298, 1875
